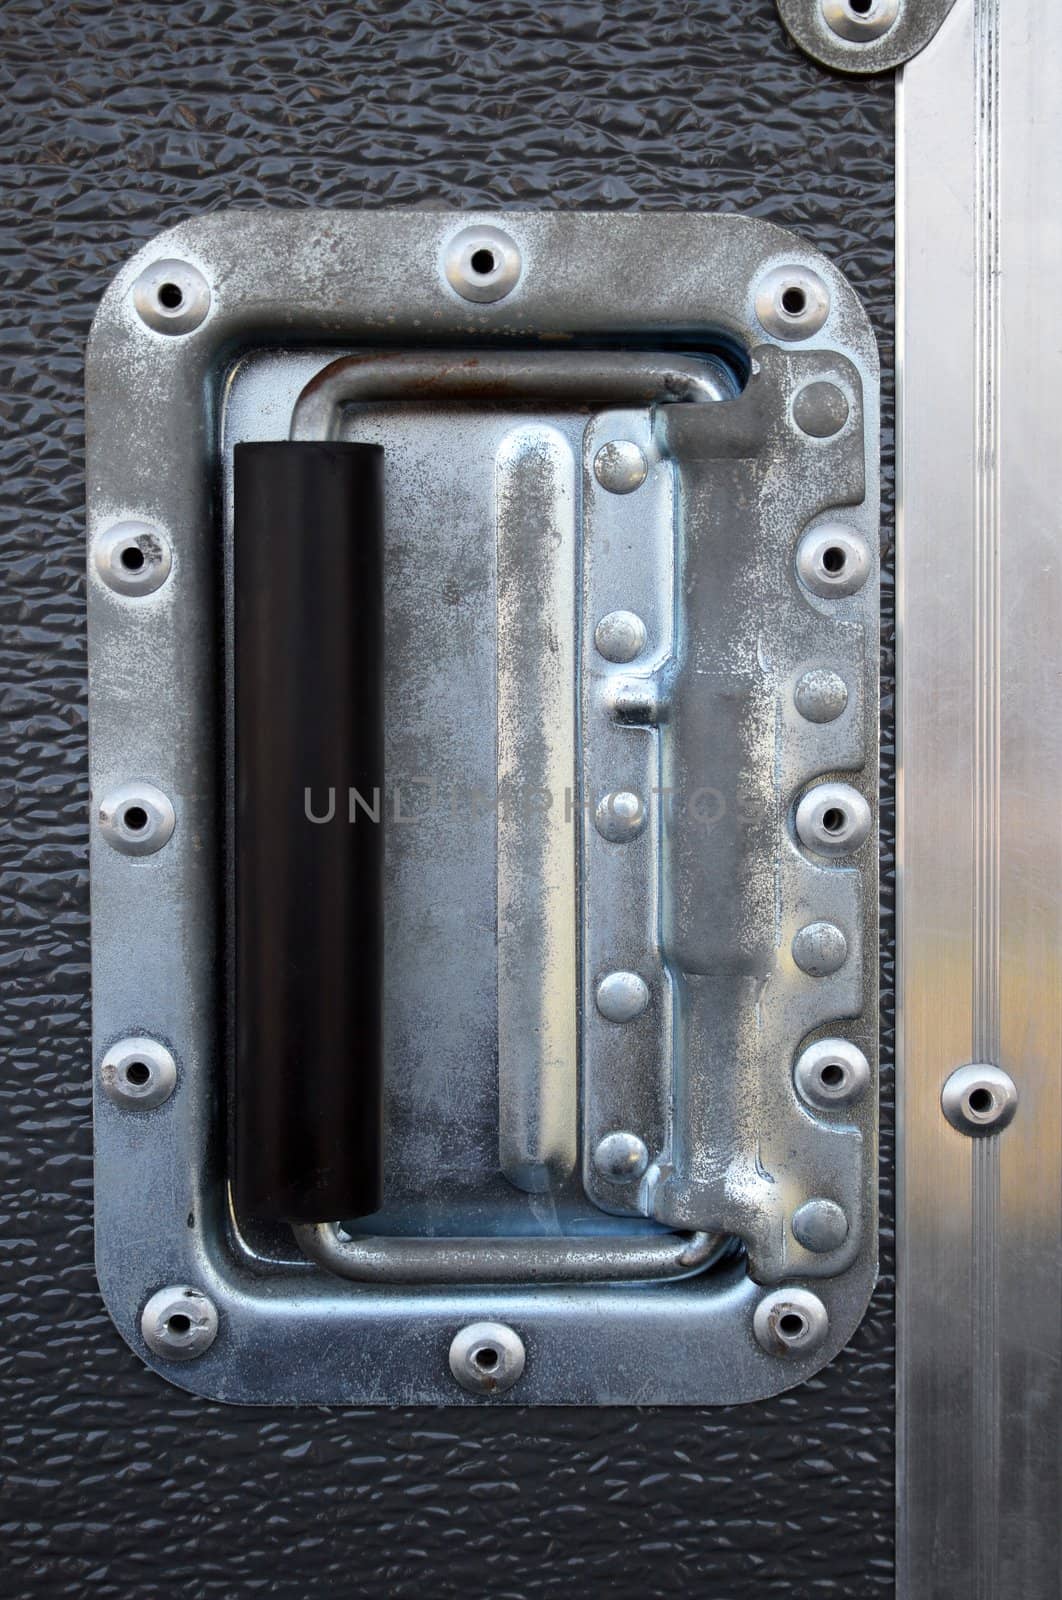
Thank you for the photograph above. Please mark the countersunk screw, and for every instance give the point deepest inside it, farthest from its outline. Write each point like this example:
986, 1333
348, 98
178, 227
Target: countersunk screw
136, 819
171, 296
979, 1100
790, 1322
138, 1074
179, 1323
487, 1357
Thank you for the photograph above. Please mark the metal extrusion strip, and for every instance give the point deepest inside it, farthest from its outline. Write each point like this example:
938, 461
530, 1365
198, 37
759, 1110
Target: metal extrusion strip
979, 1224
863, 36
157, 393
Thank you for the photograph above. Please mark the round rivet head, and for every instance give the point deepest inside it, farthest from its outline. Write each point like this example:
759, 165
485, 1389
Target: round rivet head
179, 1323
820, 949
833, 561
820, 410
833, 819
136, 819
620, 817
979, 1100
487, 1357
820, 695
820, 1225
792, 302
860, 21
831, 1073
138, 1074
620, 467
171, 297
621, 1157
620, 636
482, 263
622, 996
132, 558
790, 1322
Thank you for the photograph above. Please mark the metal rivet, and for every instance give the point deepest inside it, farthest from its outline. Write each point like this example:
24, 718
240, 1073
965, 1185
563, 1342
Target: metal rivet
859, 21
833, 561
979, 1100
820, 410
620, 467
820, 695
620, 817
621, 1157
138, 1074
831, 1072
820, 949
179, 1323
620, 636
132, 558
622, 996
487, 1357
820, 1225
482, 263
136, 819
833, 819
790, 1322
172, 296
792, 302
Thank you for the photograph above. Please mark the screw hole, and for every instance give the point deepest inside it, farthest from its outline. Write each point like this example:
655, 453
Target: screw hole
486, 1359
980, 1101
832, 1075
483, 261
135, 818
861, 8
138, 1073
833, 559
791, 1324
794, 301
833, 820
132, 558
171, 296
179, 1323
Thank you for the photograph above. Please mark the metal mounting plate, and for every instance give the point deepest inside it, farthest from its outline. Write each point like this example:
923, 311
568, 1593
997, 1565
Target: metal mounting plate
863, 36
261, 303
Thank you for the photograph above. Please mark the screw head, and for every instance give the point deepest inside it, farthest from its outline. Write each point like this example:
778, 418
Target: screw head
171, 297
790, 1322
482, 263
179, 1323
820, 949
621, 1157
620, 466
833, 819
820, 695
622, 996
820, 1225
858, 24
132, 558
620, 636
792, 302
979, 1100
620, 816
833, 561
487, 1357
138, 1074
830, 1073
136, 819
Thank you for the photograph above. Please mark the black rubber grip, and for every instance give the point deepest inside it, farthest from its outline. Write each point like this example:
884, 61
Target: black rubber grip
308, 604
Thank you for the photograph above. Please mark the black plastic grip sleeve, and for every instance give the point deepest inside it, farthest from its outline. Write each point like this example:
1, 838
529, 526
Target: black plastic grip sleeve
308, 667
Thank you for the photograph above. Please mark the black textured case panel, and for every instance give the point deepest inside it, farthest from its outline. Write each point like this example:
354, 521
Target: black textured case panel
120, 117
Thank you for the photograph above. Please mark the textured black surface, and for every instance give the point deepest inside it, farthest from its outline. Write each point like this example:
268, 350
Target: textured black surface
119, 118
